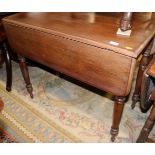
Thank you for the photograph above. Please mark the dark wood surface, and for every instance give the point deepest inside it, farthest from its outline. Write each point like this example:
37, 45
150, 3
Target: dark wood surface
94, 29
79, 45
150, 121
2, 33
1, 104
24, 70
145, 60
144, 134
5, 54
84, 62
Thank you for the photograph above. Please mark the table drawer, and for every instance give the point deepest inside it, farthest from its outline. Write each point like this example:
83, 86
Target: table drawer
102, 68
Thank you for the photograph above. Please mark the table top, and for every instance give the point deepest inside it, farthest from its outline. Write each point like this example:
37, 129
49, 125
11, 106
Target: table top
96, 29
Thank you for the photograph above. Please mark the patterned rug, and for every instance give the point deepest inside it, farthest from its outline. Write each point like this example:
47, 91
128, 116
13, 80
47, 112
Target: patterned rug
63, 110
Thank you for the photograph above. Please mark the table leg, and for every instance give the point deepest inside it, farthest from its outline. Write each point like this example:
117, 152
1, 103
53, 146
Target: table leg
143, 64
1, 104
117, 114
8, 63
147, 127
25, 73
1, 59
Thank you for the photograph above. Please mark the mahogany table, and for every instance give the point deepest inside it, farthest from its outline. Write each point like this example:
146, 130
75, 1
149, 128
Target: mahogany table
1, 104
84, 46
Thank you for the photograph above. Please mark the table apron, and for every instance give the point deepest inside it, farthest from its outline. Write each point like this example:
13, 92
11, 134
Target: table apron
102, 68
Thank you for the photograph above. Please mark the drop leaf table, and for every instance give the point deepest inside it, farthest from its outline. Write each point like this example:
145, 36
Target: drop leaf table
84, 46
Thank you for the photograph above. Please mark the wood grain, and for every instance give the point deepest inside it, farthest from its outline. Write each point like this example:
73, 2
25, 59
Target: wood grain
1, 104
96, 29
84, 46
102, 68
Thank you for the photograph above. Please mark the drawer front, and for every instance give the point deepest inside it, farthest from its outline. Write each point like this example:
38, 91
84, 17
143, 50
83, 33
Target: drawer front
98, 67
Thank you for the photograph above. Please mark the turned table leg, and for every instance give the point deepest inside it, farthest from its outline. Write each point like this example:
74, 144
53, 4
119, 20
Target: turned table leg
117, 114
25, 73
8, 63
1, 104
147, 127
143, 64
1, 59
